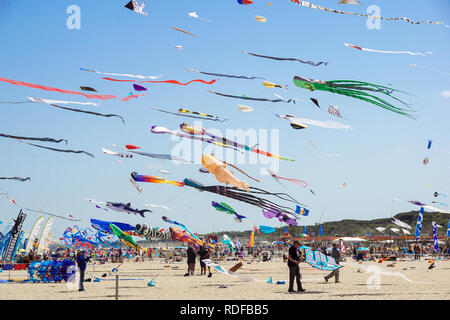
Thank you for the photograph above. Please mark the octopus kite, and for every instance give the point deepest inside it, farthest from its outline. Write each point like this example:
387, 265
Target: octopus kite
355, 89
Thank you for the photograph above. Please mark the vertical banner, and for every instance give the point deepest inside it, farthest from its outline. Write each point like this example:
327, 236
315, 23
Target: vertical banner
448, 228
320, 230
419, 224
251, 241
436, 244
304, 228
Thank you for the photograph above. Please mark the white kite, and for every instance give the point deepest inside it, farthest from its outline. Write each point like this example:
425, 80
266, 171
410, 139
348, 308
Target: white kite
383, 51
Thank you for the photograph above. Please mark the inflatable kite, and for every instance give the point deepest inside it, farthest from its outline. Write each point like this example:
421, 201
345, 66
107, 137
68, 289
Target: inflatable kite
122, 207
355, 89
151, 155
124, 238
136, 7
222, 174
153, 232
222, 206
181, 110
382, 51
153, 179
318, 260
300, 123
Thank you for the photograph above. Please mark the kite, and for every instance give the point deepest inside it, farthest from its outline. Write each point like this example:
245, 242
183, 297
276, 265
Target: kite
51, 214
162, 81
226, 240
203, 170
381, 51
248, 197
251, 240
299, 123
158, 206
441, 203
317, 259
429, 144
139, 88
425, 206
154, 155
436, 194
153, 233
195, 15
286, 59
269, 84
254, 99
429, 69
181, 110
298, 182
124, 238
220, 141
426, 161
178, 47
222, 174
316, 102
245, 2
33, 138
16, 178
122, 207
104, 226
88, 89
400, 223
131, 147
112, 153
90, 96
349, 2
168, 220
260, 19
225, 75
333, 110
142, 178
57, 101
282, 217
244, 108
139, 189
181, 30
222, 206
314, 6
183, 236
164, 171
48, 148
266, 229
77, 110
136, 7
354, 89
124, 75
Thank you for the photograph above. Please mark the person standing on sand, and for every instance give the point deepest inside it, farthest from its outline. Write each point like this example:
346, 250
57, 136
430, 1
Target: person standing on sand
336, 254
204, 254
81, 262
294, 269
190, 261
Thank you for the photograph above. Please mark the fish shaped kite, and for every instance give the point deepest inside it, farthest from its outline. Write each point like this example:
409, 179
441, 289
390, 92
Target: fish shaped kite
153, 179
222, 206
124, 238
112, 153
122, 207
355, 89
222, 174
153, 155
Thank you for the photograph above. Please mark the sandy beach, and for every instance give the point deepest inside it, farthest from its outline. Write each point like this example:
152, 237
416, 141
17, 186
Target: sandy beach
249, 284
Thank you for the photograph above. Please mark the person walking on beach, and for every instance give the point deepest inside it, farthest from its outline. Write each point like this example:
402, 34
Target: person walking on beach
417, 252
336, 254
294, 269
82, 259
204, 254
190, 261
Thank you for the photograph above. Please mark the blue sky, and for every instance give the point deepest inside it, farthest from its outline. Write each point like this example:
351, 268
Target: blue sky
380, 158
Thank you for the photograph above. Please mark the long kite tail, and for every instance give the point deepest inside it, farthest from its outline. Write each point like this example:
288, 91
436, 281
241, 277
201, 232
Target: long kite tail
16, 178
287, 59
58, 150
163, 81
314, 6
33, 138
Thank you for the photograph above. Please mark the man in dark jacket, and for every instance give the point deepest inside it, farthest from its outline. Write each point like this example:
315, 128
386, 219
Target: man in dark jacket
294, 269
82, 259
190, 261
336, 254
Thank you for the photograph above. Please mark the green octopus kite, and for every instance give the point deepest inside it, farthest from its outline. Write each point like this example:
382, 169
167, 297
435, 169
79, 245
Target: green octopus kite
356, 90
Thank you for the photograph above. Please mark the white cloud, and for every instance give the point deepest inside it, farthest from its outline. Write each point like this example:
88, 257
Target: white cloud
445, 94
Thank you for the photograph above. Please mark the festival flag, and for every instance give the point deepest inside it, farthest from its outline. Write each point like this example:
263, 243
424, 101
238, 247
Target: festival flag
320, 230
304, 229
436, 244
251, 241
342, 246
419, 224
448, 228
